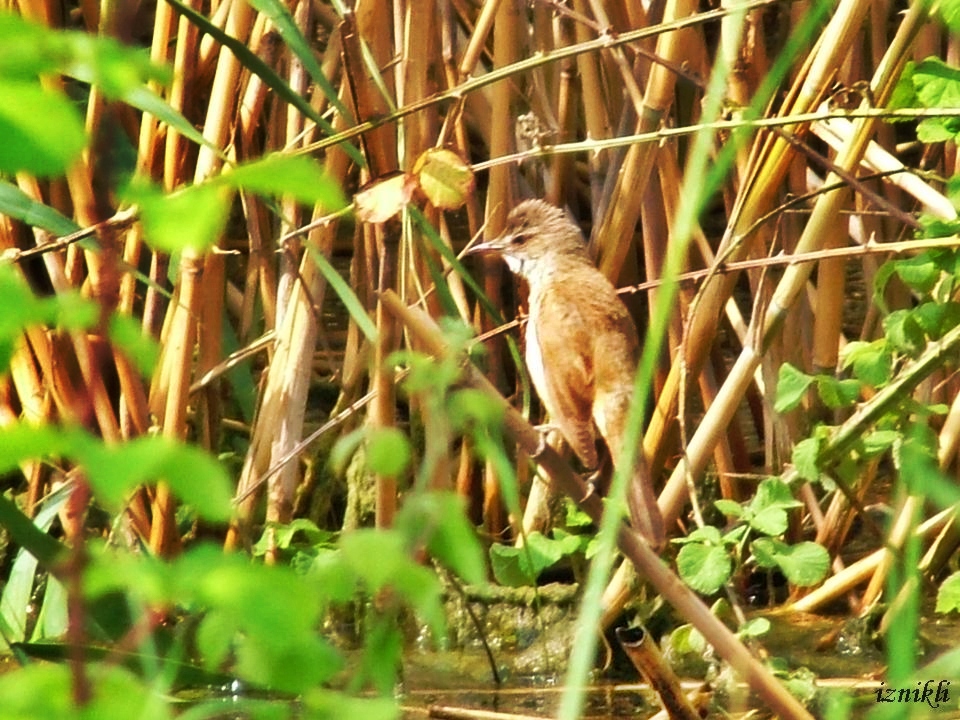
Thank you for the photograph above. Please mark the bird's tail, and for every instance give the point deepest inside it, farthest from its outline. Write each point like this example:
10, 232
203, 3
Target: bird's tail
645, 514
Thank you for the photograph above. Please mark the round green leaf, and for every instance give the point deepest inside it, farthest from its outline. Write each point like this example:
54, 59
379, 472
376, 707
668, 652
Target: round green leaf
704, 568
388, 451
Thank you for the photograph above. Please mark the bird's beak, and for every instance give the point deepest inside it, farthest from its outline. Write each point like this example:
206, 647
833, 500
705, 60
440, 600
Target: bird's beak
485, 248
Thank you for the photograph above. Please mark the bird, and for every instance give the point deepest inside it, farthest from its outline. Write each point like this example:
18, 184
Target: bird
582, 346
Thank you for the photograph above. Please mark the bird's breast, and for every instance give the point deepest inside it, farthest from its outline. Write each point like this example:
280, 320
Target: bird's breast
534, 358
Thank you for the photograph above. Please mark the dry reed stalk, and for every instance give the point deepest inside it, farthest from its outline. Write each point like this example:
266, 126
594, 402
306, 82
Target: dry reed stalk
794, 279
193, 290
771, 157
613, 234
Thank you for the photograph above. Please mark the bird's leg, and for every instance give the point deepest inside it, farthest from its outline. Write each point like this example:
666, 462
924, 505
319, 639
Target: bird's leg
544, 431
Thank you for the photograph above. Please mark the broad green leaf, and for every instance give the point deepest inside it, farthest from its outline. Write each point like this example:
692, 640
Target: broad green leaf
441, 519
949, 13
42, 131
773, 492
194, 476
519, 566
878, 441
803, 564
804, 458
704, 568
707, 534
471, 406
872, 362
301, 178
755, 627
837, 393
192, 217
919, 273
324, 703
769, 521
948, 594
388, 451
904, 332
791, 387
937, 84
360, 547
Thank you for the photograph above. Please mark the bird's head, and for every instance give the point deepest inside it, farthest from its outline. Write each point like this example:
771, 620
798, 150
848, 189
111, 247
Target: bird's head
535, 237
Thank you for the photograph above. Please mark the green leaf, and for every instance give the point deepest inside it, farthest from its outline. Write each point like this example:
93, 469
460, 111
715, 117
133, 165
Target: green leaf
949, 13
321, 704
127, 334
17, 204
919, 272
837, 393
904, 95
441, 518
878, 441
519, 566
791, 387
729, 508
388, 451
755, 627
299, 177
346, 295
935, 130
937, 84
937, 318
193, 475
904, 332
376, 556
804, 458
948, 594
803, 564
769, 521
192, 217
42, 131
704, 568
773, 492
872, 362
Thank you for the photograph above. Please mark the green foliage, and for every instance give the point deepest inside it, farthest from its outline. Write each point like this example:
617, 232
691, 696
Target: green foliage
929, 84
948, 594
194, 217
706, 559
520, 566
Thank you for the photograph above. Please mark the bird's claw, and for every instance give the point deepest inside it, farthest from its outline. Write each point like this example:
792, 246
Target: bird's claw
591, 483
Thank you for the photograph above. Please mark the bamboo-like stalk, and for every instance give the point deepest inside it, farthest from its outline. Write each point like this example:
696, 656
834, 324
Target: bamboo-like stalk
771, 158
178, 356
824, 214
612, 236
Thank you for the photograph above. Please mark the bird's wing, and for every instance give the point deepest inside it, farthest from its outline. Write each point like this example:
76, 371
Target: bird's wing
562, 371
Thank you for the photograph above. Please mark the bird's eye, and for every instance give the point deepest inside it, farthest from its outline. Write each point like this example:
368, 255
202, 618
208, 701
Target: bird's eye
518, 238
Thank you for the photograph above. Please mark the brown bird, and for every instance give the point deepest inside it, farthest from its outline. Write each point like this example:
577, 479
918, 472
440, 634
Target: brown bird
582, 346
